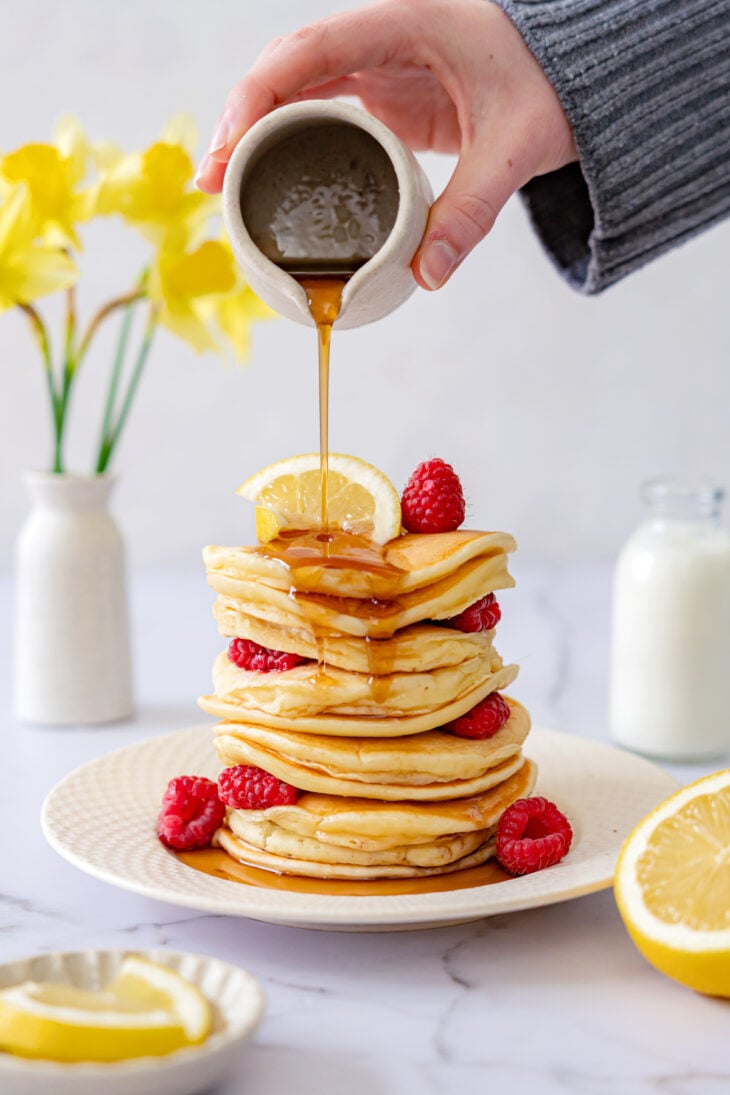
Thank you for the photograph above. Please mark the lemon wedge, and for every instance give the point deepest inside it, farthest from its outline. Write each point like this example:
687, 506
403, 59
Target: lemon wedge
148, 1010
672, 885
360, 499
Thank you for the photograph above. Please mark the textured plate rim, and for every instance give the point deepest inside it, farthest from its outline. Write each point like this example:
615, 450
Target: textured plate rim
567, 880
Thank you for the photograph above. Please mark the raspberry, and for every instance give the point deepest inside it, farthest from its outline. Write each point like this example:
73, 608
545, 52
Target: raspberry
433, 500
483, 615
249, 655
245, 787
532, 834
484, 720
191, 812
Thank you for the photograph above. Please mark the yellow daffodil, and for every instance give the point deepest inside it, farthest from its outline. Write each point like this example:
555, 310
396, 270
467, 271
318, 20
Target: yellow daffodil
190, 284
28, 269
182, 131
234, 312
181, 285
153, 189
52, 174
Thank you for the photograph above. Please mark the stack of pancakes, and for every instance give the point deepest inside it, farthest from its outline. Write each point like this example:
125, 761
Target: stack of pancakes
360, 726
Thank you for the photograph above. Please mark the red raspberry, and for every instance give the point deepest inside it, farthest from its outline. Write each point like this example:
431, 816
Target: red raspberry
483, 615
191, 813
532, 833
433, 500
249, 655
484, 720
245, 787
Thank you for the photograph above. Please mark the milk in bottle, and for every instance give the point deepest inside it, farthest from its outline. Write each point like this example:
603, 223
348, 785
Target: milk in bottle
670, 686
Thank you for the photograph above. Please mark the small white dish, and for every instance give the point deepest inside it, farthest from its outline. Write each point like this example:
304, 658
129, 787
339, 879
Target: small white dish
236, 998
385, 280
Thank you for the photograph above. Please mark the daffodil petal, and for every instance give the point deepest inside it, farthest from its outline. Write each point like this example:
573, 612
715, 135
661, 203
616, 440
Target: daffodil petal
44, 270
72, 143
235, 313
182, 130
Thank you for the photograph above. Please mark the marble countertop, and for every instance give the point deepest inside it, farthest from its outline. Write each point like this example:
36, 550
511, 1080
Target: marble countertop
546, 1001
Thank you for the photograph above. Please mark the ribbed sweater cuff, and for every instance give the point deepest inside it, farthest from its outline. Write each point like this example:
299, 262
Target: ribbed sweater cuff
646, 87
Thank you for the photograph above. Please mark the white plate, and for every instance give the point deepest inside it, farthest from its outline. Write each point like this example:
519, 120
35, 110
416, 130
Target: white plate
603, 791
235, 996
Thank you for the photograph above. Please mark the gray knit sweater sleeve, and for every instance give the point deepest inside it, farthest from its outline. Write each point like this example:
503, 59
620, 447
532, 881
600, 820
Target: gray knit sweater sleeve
646, 87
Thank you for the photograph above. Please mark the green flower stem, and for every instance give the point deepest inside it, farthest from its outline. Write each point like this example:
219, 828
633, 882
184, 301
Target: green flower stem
69, 368
114, 379
40, 334
70, 320
101, 315
62, 415
111, 439
73, 359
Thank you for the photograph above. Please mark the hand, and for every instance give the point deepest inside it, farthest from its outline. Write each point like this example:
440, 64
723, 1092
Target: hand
447, 75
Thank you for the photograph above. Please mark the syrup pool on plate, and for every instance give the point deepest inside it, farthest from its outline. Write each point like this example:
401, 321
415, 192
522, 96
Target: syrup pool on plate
216, 862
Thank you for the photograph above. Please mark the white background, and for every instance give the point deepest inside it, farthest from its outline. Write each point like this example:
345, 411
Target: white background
553, 407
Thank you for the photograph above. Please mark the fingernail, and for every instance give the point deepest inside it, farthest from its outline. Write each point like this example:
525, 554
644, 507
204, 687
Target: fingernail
221, 134
202, 169
438, 259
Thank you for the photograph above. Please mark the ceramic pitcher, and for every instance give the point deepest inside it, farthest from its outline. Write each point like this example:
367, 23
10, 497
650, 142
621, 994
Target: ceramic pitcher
383, 282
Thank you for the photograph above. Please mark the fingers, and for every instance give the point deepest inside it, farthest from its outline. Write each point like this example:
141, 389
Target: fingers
343, 85
310, 58
465, 212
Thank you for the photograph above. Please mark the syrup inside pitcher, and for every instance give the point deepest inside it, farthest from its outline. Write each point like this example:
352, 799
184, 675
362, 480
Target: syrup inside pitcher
320, 202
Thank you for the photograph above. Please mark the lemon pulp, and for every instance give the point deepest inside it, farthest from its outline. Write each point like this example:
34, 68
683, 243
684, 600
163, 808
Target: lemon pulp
672, 885
360, 498
685, 869
148, 1010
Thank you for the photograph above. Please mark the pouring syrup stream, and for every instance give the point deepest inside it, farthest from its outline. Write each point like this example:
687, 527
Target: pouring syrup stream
324, 295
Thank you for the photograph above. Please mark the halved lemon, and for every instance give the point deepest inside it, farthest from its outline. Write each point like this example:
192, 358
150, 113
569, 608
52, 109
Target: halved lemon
148, 1010
672, 885
360, 499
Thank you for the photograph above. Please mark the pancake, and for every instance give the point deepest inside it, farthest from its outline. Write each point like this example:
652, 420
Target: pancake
418, 759
299, 776
234, 709
417, 648
384, 790
267, 861
424, 767
319, 614
311, 689
269, 837
409, 562
370, 825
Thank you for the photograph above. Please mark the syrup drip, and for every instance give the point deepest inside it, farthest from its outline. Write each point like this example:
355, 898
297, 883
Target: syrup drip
336, 550
305, 554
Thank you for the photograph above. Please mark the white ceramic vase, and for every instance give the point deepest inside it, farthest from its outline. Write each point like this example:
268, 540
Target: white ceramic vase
72, 656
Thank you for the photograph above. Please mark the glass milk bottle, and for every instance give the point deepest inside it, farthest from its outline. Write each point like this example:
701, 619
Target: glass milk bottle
670, 686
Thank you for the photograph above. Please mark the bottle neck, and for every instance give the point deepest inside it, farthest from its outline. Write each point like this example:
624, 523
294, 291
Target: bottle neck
674, 501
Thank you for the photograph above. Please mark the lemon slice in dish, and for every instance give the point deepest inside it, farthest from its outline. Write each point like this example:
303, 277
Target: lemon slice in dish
672, 885
360, 499
148, 1010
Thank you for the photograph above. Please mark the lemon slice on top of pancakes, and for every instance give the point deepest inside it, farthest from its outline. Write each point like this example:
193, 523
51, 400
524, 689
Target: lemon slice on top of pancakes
288, 495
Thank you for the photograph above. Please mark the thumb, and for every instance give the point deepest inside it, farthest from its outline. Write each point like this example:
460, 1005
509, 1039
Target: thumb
464, 213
